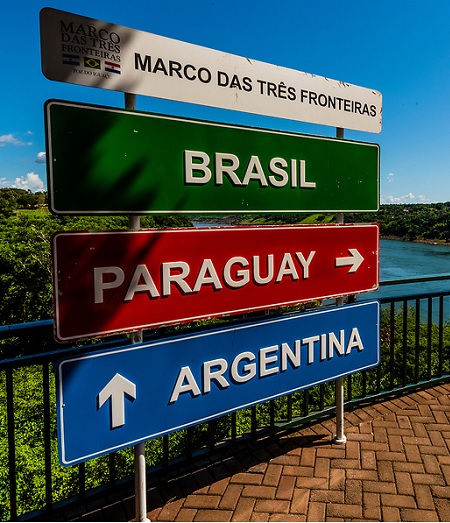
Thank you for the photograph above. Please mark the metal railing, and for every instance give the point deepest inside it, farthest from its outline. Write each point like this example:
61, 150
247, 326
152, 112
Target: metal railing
415, 350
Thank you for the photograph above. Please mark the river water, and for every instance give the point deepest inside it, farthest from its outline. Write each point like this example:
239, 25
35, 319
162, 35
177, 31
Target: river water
400, 260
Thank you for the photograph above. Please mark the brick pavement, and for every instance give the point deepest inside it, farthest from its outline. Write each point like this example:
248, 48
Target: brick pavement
395, 466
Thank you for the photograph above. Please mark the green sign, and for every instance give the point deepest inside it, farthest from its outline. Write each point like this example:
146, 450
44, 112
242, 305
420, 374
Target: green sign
113, 161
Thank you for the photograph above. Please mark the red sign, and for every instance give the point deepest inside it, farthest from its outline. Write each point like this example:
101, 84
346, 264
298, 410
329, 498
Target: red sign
107, 282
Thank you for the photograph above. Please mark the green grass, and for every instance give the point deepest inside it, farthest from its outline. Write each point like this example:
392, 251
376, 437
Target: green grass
37, 213
318, 218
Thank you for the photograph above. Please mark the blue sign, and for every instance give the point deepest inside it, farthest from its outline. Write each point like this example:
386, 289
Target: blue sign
117, 398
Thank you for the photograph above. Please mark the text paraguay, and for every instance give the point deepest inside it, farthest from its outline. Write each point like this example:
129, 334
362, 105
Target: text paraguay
237, 272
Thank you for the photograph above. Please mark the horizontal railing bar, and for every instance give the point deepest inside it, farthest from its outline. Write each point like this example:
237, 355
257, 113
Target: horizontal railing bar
12, 328
105, 344
418, 279
54, 355
26, 325
411, 297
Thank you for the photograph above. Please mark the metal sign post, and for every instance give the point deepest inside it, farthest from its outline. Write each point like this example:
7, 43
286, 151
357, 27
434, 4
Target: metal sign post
140, 467
124, 163
339, 384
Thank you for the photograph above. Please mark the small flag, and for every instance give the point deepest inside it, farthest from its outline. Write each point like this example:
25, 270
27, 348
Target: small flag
92, 63
71, 59
112, 67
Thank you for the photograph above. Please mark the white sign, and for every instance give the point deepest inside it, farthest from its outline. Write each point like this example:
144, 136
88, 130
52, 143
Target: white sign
85, 51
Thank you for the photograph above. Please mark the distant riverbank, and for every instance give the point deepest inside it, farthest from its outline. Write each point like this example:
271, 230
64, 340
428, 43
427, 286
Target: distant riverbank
229, 220
415, 240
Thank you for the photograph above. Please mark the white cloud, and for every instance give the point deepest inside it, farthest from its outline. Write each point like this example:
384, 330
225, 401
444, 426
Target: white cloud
390, 177
6, 139
10, 139
41, 157
31, 182
406, 198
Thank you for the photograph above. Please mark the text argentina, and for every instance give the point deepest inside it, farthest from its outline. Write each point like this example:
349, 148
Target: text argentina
248, 366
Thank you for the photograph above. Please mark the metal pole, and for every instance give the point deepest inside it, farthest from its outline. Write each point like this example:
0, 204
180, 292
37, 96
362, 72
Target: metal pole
339, 384
140, 483
134, 221
140, 468
130, 101
340, 437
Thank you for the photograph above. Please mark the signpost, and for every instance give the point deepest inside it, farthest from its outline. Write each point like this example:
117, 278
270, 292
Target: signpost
108, 282
117, 398
90, 52
113, 161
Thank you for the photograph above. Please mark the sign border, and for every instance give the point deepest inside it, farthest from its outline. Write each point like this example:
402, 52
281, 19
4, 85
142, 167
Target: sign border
188, 319
253, 101
50, 176
180, 339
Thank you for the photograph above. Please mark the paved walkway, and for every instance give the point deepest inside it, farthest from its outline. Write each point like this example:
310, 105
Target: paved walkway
395, 466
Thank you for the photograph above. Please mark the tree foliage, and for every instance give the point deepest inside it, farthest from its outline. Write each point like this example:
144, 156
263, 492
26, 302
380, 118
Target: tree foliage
13, 199
25, 264
410, 221
430, 222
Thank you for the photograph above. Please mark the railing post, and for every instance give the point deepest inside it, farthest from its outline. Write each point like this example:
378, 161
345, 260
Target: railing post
11, 445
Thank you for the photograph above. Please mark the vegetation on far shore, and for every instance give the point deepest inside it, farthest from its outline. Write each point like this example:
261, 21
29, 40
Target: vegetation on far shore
427, 222
411, 222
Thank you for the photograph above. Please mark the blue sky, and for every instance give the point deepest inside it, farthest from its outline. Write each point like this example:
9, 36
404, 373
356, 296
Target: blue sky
401, 49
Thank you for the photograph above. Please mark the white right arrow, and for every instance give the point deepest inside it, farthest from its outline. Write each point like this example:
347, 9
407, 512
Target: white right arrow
354, 260
116, 389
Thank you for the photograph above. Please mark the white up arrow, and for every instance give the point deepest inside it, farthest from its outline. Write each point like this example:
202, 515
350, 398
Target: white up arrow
116, 389
354, 260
